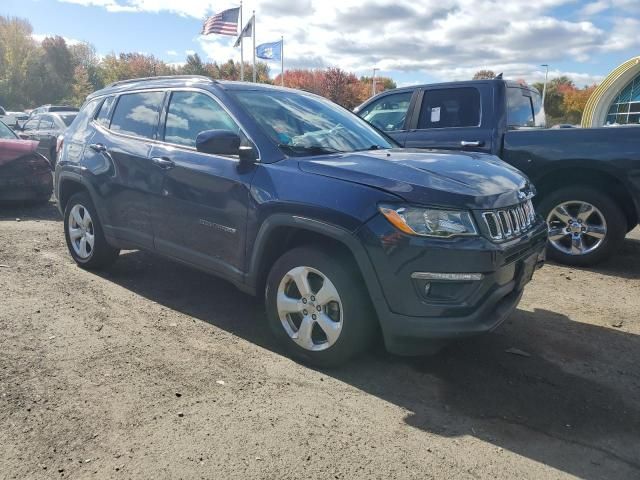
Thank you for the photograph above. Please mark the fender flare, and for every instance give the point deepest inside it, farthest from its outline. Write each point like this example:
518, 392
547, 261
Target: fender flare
77, 175
345, 237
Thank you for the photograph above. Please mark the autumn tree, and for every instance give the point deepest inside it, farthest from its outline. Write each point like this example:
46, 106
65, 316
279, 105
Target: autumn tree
484, 75
81, 86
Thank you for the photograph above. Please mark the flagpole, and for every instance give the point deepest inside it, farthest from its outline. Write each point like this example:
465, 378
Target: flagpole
282, 59
254, 46
241, 46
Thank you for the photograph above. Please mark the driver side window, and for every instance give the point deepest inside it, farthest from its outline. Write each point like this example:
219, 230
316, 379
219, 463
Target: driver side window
190, 113
389, 112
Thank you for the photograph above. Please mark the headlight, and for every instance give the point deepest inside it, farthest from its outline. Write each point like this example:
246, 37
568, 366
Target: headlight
429, 222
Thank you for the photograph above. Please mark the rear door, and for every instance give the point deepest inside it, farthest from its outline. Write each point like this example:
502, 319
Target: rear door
132, 186
389, 113
205, 198
45, 133
451, 118
30, 129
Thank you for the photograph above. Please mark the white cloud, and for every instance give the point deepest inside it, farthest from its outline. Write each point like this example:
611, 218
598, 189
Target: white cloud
190, 52
172, 53
437, 38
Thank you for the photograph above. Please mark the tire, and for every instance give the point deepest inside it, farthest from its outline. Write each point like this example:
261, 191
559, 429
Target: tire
98, 255
350, 319
598, 243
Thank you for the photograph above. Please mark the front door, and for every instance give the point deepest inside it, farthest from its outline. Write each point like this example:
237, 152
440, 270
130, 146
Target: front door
450, 119
205, 198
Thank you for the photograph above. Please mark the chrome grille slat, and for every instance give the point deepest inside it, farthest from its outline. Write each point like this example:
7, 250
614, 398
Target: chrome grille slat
511, 222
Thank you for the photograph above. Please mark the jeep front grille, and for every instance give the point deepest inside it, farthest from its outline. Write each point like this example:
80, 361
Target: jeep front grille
511, 222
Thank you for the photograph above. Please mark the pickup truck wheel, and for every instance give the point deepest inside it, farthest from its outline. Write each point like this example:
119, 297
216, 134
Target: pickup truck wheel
585, 226
84, 235
318, 308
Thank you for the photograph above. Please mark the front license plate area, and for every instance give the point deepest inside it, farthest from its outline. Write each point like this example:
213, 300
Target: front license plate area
526, 271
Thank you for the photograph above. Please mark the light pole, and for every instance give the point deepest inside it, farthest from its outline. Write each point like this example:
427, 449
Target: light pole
373, 81
544, 89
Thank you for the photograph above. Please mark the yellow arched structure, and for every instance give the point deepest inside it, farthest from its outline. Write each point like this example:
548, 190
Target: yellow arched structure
595, 112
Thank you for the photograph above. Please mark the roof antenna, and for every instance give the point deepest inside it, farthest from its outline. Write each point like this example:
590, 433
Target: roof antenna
498, 77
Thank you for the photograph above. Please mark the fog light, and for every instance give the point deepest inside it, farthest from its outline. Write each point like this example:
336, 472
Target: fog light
451, 277
427, 287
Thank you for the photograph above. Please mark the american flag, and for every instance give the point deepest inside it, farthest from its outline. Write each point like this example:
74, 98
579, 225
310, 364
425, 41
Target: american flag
223, 23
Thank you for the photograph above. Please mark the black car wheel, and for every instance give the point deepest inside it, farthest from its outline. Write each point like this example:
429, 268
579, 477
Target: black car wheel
585, 226
317, 307
84, 235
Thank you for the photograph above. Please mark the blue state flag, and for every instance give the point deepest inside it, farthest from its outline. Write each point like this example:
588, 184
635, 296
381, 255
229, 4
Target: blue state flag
270, 51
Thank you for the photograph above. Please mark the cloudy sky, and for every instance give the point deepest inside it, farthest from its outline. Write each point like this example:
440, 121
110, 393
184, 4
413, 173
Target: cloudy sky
412, 41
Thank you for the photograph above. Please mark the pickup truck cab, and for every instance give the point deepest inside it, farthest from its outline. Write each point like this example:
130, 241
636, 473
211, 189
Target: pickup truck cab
290, 196
588, 180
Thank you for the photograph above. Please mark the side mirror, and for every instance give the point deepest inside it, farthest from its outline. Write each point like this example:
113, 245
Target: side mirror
218, 142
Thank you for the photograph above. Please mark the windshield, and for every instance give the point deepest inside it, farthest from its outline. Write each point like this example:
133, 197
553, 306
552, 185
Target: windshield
68, 119
6, 133
304, 125
524, 108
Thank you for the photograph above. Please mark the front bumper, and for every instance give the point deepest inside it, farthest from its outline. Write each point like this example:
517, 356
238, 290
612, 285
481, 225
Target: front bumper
414, 310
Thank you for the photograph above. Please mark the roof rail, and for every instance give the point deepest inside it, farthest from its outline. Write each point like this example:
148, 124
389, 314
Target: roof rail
162, 77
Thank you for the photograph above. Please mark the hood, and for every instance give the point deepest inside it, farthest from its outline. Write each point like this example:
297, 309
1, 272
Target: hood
429, 177
11, 150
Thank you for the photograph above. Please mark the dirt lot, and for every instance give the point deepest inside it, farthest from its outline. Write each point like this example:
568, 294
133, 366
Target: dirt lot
152, 370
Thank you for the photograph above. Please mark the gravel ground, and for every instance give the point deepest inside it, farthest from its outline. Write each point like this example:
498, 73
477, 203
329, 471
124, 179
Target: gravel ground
153, 370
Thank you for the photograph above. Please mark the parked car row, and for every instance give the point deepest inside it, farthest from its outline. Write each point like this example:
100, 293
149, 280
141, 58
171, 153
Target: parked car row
46, 128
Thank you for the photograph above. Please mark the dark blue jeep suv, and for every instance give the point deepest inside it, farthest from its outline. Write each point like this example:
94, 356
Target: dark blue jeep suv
288, 195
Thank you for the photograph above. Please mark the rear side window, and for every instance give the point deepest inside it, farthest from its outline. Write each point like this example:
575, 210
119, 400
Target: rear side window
524, 108
31, 124
80, 122
105, 111
46, 123
191, 113
389, 112
137, 113
449, 108
68, 119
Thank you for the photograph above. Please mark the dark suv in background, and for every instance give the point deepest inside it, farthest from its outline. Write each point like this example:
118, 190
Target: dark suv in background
587, 178
290, 196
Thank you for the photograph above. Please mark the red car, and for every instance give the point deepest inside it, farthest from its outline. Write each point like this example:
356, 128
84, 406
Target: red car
25, 175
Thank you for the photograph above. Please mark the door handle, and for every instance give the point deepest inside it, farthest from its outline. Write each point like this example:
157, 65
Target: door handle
475, 143
98, 147
163, 162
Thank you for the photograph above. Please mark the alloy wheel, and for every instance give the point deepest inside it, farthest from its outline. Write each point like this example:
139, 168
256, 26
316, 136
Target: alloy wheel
81, 232
576, 227
309, 308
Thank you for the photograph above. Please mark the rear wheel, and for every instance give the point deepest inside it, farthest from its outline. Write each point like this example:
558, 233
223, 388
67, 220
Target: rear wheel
585, 226
84, 235
318, 308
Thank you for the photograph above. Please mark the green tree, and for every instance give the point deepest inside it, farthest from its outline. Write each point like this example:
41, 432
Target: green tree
194, 66
17, 52
58, 68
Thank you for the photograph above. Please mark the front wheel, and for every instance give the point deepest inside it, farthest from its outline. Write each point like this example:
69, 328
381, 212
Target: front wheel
317, 307
585, 226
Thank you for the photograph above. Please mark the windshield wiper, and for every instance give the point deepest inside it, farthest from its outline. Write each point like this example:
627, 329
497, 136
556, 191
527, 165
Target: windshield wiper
372, 147
309, 149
